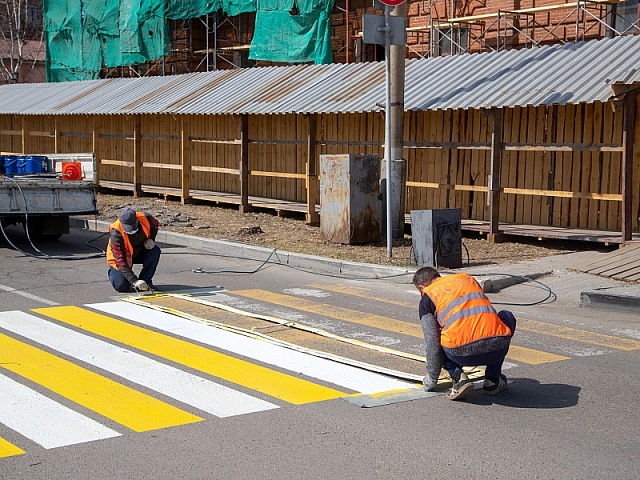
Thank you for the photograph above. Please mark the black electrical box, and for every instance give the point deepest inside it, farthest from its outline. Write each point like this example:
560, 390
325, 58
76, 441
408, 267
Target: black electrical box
436, 237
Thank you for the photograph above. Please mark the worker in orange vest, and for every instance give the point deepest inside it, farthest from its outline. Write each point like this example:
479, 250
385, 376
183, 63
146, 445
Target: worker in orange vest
461, 328
132, 241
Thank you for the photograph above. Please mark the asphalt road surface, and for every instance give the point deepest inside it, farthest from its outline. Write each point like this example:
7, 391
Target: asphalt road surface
219, 377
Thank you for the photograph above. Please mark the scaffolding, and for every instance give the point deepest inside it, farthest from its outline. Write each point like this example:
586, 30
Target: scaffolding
217, 41
529, 27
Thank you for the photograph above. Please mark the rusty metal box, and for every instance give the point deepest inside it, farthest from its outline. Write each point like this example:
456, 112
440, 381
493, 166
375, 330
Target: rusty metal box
349, 204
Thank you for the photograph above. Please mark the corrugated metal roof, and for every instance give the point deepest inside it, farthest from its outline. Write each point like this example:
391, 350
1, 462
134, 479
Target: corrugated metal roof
559, 74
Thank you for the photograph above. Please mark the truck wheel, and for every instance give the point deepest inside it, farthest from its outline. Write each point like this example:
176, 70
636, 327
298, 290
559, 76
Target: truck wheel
43, 229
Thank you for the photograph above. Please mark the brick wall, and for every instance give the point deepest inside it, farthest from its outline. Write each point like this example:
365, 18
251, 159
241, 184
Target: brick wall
551, 25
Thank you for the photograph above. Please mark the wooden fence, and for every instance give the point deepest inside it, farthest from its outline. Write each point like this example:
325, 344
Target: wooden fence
563, 166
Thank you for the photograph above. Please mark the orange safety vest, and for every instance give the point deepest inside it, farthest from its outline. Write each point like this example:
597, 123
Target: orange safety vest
146, 228
463, 311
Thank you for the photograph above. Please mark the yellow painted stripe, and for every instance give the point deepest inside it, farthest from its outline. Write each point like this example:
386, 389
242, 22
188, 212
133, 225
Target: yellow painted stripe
576, 335
520, 354
531, 356
534, 326
120, 403
9, 449
279, 385
366, 293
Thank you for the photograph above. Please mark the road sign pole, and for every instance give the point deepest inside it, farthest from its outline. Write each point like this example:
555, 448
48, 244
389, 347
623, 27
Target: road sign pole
387, 126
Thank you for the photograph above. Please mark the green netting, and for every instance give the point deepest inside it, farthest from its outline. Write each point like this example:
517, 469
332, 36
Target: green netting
83, 35
236, 7
281, 36
181, 9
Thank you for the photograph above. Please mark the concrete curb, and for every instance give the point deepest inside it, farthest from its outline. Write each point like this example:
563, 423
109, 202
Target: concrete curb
262, 254
604, 299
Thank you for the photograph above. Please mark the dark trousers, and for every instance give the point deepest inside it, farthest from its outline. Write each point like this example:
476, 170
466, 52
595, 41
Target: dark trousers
492, 360
149, 260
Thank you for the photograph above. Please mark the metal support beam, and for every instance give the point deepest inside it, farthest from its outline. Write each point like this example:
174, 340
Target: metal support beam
245, 206
494, 178
312, 172
627, 164
185, 160
137, 156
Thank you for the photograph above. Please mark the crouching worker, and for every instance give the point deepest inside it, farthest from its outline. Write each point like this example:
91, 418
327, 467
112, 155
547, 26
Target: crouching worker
461, 328
132, 241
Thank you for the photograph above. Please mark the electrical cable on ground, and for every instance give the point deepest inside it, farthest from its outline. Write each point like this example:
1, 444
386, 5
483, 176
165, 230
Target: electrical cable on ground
266, 262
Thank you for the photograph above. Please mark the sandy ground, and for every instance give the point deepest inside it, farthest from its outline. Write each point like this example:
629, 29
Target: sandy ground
293, 235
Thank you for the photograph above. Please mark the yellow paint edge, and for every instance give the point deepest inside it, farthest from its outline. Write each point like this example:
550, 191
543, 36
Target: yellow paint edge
241, 372
531, 356
584, 336
122, 404
8, 449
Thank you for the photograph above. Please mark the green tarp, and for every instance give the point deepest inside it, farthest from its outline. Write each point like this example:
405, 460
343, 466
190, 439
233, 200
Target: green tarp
82, 36
282, 37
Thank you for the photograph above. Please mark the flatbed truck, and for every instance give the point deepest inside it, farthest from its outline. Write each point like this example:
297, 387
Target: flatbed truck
44, 201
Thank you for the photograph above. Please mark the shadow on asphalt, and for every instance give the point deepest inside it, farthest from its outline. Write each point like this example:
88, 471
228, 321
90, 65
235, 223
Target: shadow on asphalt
530, 393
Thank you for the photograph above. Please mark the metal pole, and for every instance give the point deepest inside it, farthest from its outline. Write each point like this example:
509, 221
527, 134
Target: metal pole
387, 126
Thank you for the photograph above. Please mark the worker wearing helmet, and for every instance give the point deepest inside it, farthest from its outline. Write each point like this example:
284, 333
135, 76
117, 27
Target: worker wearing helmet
132, 241
461, 328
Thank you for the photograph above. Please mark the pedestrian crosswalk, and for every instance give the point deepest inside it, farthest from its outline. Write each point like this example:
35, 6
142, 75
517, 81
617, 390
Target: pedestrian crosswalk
140, 370
70, 375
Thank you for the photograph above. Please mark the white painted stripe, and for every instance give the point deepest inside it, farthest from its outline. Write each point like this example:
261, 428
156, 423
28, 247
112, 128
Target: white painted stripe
340, 374
185, 387
30, 296
45, 421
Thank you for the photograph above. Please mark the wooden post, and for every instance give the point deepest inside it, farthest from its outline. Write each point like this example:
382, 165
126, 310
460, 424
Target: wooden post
25, 134
312, 172
185, 160
137, 157
56, 135
245, 206
494, 179
627, 164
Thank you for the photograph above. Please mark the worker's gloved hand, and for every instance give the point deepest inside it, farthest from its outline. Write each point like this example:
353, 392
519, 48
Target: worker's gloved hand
141, 285
149, 244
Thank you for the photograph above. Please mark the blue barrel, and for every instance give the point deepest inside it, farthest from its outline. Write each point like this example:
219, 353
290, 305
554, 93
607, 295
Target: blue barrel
21, 165
10, 165
35, 164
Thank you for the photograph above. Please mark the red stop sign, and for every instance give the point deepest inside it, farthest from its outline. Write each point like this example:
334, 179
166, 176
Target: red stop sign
391, 3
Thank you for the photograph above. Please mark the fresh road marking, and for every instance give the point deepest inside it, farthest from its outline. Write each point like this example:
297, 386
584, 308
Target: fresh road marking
45, 421
240, 372
346, 376
121, 404
185, 387
8, 449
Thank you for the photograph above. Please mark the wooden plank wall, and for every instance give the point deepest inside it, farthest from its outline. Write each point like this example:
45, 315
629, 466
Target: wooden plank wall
448, 156
448, 161
278, 156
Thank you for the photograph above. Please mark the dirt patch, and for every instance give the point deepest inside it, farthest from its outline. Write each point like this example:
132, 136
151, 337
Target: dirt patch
291, 234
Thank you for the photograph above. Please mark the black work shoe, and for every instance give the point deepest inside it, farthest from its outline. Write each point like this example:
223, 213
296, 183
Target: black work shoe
491, 388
